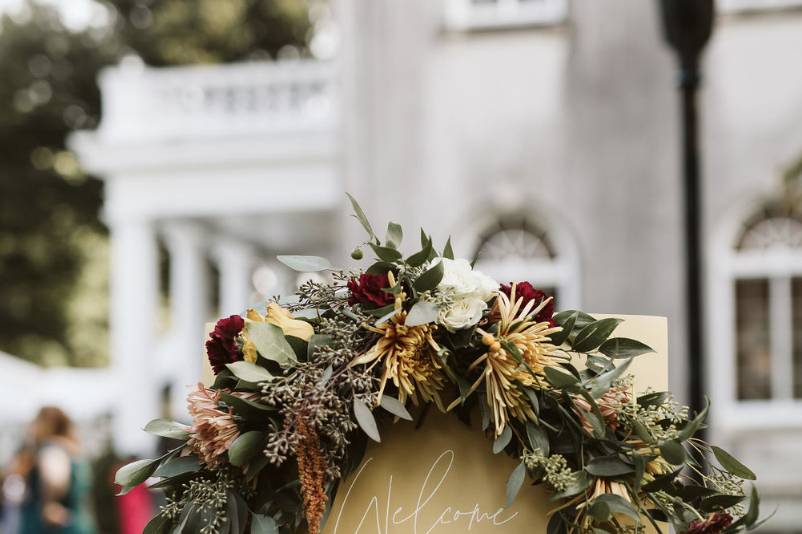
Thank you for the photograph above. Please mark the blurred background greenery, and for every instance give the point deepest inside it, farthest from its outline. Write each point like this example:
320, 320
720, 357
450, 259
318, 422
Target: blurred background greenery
53, 244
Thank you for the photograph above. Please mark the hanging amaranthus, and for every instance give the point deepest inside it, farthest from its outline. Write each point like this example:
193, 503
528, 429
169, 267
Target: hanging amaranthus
312, 467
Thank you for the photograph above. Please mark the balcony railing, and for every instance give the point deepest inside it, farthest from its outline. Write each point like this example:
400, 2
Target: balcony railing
188, 102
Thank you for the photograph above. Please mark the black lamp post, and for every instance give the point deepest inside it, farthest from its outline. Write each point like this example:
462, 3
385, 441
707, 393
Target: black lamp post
688, 25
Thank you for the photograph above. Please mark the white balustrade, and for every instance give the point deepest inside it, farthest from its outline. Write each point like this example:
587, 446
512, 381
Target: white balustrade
187, 102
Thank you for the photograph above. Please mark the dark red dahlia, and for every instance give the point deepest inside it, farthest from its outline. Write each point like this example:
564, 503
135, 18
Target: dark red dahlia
712, 524
528, 292
221, 347
367, 290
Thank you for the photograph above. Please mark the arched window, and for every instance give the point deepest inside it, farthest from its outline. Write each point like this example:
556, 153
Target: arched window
514, 248
767, 282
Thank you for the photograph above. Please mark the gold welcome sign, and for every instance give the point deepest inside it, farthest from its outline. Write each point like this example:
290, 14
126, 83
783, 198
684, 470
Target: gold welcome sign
443, 478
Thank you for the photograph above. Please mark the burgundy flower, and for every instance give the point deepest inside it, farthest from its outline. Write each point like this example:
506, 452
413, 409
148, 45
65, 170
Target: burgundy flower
367, 290
526, 291
221, 347
712, 524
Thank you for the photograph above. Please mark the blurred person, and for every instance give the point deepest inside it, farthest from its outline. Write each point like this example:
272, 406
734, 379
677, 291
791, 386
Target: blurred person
57, 482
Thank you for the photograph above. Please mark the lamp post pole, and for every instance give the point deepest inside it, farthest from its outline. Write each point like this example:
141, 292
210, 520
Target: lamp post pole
687, 26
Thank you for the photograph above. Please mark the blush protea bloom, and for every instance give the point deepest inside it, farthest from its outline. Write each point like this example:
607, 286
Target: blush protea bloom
610, 405
213, 430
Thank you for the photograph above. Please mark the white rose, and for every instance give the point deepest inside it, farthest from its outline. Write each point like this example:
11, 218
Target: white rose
464, 312
461, 280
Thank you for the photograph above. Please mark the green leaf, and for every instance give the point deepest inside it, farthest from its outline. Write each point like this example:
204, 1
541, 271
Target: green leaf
361, 217
317, 340
619, 505
394, 406
380, 267
559, 379
305, 264
270, 342
732, 465
623, 347
673, 452
693, 426
558, 338
421, 257
448, 252
249, 409
384, 310
134, 474
515, 482
429, 279
245, 447
608, 466
386, 254
263, 524
538, 439
422, 312
599, 510
581, 321
394, 236
720, 502
366, 421
580, 483
177, 466
249, 372
602, 383
503, 440
326, 376
167, 429
594, 334
160, 524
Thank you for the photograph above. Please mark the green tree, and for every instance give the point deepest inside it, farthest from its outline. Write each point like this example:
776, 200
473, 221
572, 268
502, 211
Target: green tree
53, 259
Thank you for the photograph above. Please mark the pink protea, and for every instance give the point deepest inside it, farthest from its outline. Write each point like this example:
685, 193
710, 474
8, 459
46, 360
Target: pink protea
213, 430
610, 404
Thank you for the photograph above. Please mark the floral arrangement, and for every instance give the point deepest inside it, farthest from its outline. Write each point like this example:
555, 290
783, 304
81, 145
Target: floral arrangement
299, 390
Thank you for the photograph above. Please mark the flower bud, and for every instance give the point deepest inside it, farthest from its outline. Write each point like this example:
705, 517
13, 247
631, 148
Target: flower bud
357, 254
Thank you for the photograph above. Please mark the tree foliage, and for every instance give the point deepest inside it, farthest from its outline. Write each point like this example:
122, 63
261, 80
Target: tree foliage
53, 262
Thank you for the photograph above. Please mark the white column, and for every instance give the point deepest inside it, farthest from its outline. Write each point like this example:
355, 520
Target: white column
235, 262
189, 308
134, 293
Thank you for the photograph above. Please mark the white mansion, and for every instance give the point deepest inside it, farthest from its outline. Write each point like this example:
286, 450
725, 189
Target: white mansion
542, 135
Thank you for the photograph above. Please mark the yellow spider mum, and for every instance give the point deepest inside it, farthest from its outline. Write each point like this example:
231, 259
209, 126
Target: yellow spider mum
408, 354
502, 370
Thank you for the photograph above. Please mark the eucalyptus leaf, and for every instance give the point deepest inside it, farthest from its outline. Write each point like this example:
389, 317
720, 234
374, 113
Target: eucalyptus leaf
693, 426
130, 476
305, 264
622, 347
420, 257
594, 334
167, 429
619, 505
732, 465
558, 338
422, 312
160, 524
673, 452
361, 217
177, 466
394, 406
559, 379
386, 254
269, 340
430, 278
317, 340
502, 440
448, 252
602, 383
326, 376
515, 482
608, 466
538, 439
366, 420
394, 236
245, 447
249, 372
